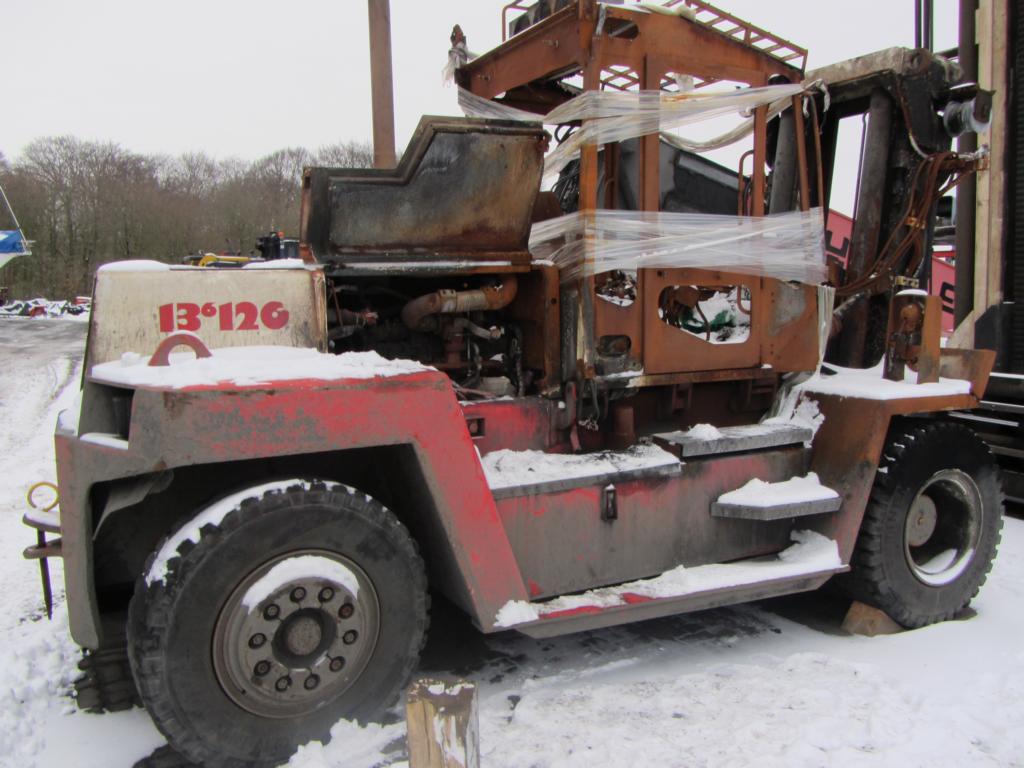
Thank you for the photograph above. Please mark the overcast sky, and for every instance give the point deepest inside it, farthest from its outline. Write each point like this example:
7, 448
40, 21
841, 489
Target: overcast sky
245, 79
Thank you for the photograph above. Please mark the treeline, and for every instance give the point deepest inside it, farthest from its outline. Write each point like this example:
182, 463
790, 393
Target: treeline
85, 203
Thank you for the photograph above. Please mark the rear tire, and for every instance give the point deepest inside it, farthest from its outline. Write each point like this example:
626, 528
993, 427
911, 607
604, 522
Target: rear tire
299, 608
932, 525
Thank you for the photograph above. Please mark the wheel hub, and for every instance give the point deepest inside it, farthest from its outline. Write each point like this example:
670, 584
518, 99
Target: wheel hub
301, 635
295, 633
921, 521
943, 527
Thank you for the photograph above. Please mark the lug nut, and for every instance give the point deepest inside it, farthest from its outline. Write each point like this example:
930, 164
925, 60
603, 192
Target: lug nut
298, 594
337, 664
283, 683
346, 610
261, 668
271, 612
311, 682
349, 637
326, 594
257, 640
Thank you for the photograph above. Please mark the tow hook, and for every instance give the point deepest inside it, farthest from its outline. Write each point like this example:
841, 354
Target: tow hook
45, 518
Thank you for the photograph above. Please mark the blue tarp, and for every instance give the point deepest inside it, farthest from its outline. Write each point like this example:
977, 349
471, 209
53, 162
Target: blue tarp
12, 241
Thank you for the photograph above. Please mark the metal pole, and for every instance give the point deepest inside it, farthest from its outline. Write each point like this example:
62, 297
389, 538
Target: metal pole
381, 84
917, 24
966, 192
928, 24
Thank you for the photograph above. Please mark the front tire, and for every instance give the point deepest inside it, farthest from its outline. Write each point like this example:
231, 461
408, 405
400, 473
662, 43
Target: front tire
300, 607
932, 525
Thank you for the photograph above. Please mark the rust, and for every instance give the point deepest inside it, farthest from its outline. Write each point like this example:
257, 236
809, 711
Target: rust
419, 313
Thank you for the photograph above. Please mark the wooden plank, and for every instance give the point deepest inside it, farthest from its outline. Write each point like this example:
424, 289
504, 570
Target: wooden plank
442, 724
991, 29
866, 620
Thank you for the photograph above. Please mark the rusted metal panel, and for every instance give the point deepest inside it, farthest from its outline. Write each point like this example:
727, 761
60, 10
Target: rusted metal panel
668, 349
562, 545
517, 425
465, 188
134, 310
848, 448
202, 425
789, 321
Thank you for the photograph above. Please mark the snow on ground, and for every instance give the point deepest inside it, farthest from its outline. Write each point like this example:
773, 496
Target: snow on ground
770, 684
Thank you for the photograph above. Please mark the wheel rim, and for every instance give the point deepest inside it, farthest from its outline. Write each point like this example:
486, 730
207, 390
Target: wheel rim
943, 527
296, 633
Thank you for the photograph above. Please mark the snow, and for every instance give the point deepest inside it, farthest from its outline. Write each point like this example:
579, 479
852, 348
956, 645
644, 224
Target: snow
773, 684
296, 569
278, 264
619, 301
67, 419
137, 265
810, 553
507, 468
869, 384
758, 493
248, 366
799, 410
106, 440
704, 432
211, 515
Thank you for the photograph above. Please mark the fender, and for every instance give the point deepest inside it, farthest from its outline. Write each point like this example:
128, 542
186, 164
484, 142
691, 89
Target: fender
172, 428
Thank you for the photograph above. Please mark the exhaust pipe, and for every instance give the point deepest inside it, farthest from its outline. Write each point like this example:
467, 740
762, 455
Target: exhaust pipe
420, 314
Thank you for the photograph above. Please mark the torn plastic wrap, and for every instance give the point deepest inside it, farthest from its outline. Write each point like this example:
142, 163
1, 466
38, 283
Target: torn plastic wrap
787, 246
609, 116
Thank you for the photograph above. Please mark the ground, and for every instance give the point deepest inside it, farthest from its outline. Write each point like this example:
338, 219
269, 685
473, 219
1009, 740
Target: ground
774, 683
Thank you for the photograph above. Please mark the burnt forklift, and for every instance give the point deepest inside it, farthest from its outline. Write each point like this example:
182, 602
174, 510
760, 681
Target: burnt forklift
558, 420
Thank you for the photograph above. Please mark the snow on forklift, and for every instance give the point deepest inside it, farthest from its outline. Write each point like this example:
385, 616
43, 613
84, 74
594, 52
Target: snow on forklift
559, 421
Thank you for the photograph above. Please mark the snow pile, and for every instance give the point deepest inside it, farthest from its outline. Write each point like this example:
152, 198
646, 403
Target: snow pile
758, 493
247, 366
811, 553
353, 746
73, 310
507, 468
41, 670
704, 432
297, 569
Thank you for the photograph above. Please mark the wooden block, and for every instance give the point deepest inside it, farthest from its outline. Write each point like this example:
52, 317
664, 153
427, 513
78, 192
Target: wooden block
442, 722
866, 620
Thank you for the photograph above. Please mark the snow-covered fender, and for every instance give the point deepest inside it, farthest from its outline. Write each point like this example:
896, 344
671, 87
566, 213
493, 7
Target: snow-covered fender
847, 449
171, 428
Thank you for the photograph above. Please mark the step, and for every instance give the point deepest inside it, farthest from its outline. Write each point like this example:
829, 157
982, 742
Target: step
707, 441
523, 473
804, 566
796, 497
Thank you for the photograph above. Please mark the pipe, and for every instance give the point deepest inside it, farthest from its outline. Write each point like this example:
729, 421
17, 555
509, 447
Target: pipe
381, 84
418, 314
